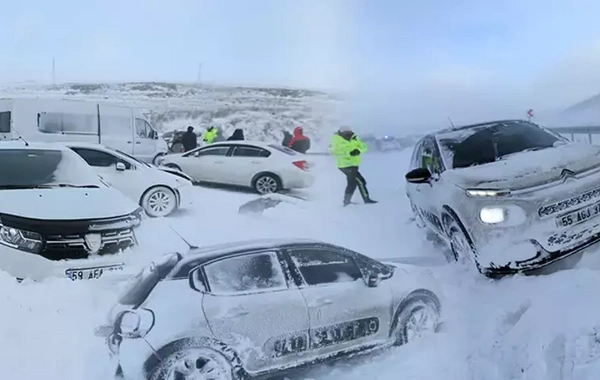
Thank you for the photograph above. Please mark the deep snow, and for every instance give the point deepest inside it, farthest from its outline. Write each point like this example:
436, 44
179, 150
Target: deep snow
543, 327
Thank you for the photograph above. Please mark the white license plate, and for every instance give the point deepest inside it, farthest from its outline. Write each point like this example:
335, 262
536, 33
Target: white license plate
578, 216
92, 273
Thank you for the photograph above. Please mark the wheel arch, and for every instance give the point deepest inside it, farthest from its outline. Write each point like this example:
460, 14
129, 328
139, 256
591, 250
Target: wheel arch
448, 216
222, 348
420, 294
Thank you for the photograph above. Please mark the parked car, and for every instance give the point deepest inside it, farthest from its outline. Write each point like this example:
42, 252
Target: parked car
159, 192
256, 308
57, 217
57, 120
267, 168
508, 196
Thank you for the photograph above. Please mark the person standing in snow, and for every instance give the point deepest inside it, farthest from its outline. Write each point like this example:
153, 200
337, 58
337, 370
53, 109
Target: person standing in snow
286, 138
347, 149
238, 135
299, 142
210, 135
189, 140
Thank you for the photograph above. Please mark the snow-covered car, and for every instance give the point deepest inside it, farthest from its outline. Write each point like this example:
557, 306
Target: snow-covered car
267, 168
509, 196
159, 192
255, 308
57, 217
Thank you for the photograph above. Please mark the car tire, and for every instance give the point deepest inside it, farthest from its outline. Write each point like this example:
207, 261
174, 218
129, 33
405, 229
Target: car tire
184, 360
266, 183
418, 315
461, 244
157, 157
159, 201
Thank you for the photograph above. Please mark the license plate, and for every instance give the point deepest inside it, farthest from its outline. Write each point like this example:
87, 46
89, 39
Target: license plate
579, 216
93, 273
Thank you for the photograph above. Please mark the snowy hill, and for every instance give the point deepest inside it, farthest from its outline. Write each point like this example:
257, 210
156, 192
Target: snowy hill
262, 112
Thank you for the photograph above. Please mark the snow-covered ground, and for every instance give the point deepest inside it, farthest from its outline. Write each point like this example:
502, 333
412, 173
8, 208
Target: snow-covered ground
543, 327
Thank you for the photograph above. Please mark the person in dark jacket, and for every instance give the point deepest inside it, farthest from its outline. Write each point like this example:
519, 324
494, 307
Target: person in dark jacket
189, 140
299, 142
286, 138
238, 135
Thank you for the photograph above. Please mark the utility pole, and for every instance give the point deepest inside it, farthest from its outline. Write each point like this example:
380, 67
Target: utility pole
53, 72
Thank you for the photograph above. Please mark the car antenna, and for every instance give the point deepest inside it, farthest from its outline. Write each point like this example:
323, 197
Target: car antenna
20, 136
451, 123
185, 241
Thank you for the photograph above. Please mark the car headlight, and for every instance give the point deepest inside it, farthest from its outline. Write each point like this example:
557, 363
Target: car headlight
20, 239
134, 324
505, 214
487, 192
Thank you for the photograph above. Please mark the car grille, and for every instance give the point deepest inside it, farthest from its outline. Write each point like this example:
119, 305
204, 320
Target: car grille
570, 202
61, 247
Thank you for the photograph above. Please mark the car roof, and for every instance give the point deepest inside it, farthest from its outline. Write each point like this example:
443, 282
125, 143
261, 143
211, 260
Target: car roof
21, 144
488, 123
216, 251
260, 144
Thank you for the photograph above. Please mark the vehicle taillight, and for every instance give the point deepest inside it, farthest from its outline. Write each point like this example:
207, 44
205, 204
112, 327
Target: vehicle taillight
301, 164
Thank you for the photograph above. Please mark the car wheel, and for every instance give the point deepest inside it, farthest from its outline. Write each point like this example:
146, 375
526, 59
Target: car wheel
461, 245
417, 316
157, 158
159, 201
193, 363
267, 184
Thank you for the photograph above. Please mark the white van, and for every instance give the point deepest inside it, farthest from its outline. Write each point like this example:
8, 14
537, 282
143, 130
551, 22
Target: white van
60, 120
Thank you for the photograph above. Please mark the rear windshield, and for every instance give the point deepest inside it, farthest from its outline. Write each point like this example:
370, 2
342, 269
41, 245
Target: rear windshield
283, 149
492, 142
26, 168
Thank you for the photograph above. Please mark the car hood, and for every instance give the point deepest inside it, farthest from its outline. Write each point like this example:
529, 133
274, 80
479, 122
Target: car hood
175, 172
65, 204
528, 169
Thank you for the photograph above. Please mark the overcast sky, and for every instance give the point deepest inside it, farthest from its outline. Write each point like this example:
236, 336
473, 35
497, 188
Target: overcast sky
426, 59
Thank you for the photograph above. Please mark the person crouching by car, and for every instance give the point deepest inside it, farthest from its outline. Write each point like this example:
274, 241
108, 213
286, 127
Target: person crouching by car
238, 135
347, 149
189, 140
299, 142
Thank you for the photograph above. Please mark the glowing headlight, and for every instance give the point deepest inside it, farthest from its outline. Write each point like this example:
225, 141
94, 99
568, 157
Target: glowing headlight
486, 192
492, 215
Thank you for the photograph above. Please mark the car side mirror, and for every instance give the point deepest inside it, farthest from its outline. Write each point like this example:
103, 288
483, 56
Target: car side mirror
373, 280
120, 166
418, 175
195, 280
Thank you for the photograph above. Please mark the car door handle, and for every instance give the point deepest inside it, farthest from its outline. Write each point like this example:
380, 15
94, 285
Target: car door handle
322, 302
218, 162
128, 142
137, 142
237, 312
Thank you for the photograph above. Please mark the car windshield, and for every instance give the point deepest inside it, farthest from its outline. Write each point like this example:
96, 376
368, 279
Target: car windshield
141, 285
492, 142
283, 149
133, 158
44, 168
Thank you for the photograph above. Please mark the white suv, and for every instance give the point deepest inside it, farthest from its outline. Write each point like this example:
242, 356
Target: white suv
56, 215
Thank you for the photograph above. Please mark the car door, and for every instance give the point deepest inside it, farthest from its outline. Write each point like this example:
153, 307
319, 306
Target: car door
423, 196
344, 313
245, 162
205, 164
144, 144
105, 164
252, 305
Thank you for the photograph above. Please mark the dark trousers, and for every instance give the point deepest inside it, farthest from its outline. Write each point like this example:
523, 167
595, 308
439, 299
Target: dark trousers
354, 179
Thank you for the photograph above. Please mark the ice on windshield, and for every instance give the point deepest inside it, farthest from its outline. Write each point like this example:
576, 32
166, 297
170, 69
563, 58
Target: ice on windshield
39, 167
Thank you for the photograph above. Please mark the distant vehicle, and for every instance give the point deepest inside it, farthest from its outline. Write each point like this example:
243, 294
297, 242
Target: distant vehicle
266, 168
258, 308
159, 193
508, 196
57, 217
58, 120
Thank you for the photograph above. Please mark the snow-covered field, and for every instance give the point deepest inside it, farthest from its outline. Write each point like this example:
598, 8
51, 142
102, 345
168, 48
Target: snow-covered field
526, 327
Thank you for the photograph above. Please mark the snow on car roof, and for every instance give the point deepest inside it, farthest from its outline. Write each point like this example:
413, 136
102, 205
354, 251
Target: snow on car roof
20, 144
